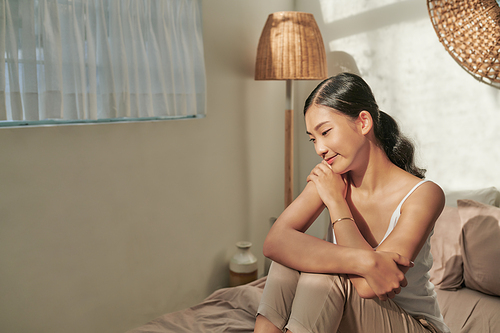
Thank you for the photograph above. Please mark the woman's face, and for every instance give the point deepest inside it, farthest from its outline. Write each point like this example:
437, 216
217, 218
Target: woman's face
336, 137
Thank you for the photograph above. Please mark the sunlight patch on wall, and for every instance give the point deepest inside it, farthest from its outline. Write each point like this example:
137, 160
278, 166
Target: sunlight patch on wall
340, 9
451, 116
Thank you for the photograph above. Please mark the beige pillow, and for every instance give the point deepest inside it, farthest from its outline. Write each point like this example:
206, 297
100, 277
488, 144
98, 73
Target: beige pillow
487, 195
447, 270
480, 245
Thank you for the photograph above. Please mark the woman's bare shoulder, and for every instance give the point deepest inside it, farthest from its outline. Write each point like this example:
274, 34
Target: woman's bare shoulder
428, 194
430, 188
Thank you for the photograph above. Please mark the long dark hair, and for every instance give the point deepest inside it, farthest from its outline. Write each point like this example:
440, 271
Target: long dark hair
350, 94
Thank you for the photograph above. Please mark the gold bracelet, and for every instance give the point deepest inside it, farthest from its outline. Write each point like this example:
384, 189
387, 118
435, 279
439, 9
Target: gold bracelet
342, 219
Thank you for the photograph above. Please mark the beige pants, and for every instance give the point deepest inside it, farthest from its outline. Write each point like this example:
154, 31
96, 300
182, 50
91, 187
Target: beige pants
329, 303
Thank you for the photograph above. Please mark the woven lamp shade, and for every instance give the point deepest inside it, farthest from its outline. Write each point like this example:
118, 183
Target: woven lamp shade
290, 48
470, 32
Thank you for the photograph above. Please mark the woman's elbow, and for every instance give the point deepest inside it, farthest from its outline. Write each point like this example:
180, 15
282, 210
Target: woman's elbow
272, 245
268, 248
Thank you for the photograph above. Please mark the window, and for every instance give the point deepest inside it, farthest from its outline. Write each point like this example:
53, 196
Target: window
65, 61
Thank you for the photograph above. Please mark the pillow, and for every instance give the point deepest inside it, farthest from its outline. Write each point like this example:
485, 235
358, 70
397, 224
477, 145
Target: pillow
489, 196
447, 270
480, 245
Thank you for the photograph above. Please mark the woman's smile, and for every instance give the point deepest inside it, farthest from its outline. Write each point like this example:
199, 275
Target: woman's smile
330, 160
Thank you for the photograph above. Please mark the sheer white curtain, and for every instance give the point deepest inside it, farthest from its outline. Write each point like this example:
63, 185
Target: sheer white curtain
92, 60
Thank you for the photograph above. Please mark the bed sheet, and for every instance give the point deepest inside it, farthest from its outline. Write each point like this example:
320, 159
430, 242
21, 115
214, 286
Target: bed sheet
229, 310
232, 310
469, 311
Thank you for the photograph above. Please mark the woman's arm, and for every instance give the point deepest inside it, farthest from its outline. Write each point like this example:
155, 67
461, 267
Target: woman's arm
407, 239
287, 244
384, 282
418, 215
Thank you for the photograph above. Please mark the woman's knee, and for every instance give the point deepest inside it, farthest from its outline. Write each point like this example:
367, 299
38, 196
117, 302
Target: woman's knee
319, 303
322, 283
282, 276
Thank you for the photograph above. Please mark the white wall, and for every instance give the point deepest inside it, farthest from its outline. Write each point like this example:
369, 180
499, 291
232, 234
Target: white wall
452, 117
105, 227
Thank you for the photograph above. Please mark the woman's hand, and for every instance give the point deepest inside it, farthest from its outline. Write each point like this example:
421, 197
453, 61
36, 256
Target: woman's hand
384, 276
330, 186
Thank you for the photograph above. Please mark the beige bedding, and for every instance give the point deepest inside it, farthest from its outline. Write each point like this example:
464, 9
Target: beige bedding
469, 311
232, 310
229, 310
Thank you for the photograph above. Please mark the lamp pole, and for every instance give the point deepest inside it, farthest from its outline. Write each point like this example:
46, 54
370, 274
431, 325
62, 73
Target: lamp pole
289, 143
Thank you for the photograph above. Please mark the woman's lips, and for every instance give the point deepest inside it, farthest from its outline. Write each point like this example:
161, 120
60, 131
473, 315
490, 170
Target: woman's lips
330, 160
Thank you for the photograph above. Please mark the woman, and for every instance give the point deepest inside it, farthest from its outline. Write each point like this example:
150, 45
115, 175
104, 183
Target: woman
372, 276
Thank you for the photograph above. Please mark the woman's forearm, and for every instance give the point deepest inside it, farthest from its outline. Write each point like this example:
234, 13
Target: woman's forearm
307, 253
288, 244
373, 273
346, 230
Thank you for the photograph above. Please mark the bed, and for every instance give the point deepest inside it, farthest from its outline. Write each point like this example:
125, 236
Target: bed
466, 270
230, 310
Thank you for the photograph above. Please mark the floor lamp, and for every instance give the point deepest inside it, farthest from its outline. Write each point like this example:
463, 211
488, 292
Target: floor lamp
290, 48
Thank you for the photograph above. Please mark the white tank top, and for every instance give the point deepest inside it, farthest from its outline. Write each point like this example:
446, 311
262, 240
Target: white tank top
418, 298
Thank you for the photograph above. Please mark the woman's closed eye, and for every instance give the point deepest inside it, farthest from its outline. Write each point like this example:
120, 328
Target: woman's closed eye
326, 132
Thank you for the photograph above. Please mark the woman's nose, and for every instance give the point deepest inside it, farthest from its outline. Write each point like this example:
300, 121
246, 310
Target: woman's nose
321, 150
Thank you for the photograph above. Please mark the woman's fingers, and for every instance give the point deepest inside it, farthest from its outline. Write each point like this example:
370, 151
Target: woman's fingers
397, 290
319, 170
391, 294
385, 277
326, 164
394, 292
322, 167
403, 261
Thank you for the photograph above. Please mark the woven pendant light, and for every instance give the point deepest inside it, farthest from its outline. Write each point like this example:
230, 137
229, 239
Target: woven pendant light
470, 32
290, 48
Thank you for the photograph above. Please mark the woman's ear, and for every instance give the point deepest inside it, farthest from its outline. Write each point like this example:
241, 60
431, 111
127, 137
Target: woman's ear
365, 122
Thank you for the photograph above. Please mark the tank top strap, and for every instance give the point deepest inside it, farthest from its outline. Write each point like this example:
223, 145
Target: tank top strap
409, 193
397, 213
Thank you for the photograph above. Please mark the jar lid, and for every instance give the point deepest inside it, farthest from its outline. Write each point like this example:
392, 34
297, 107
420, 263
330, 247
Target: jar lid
243, 245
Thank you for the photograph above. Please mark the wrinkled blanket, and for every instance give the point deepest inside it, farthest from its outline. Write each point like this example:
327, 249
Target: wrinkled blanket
230, 310
469, 311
